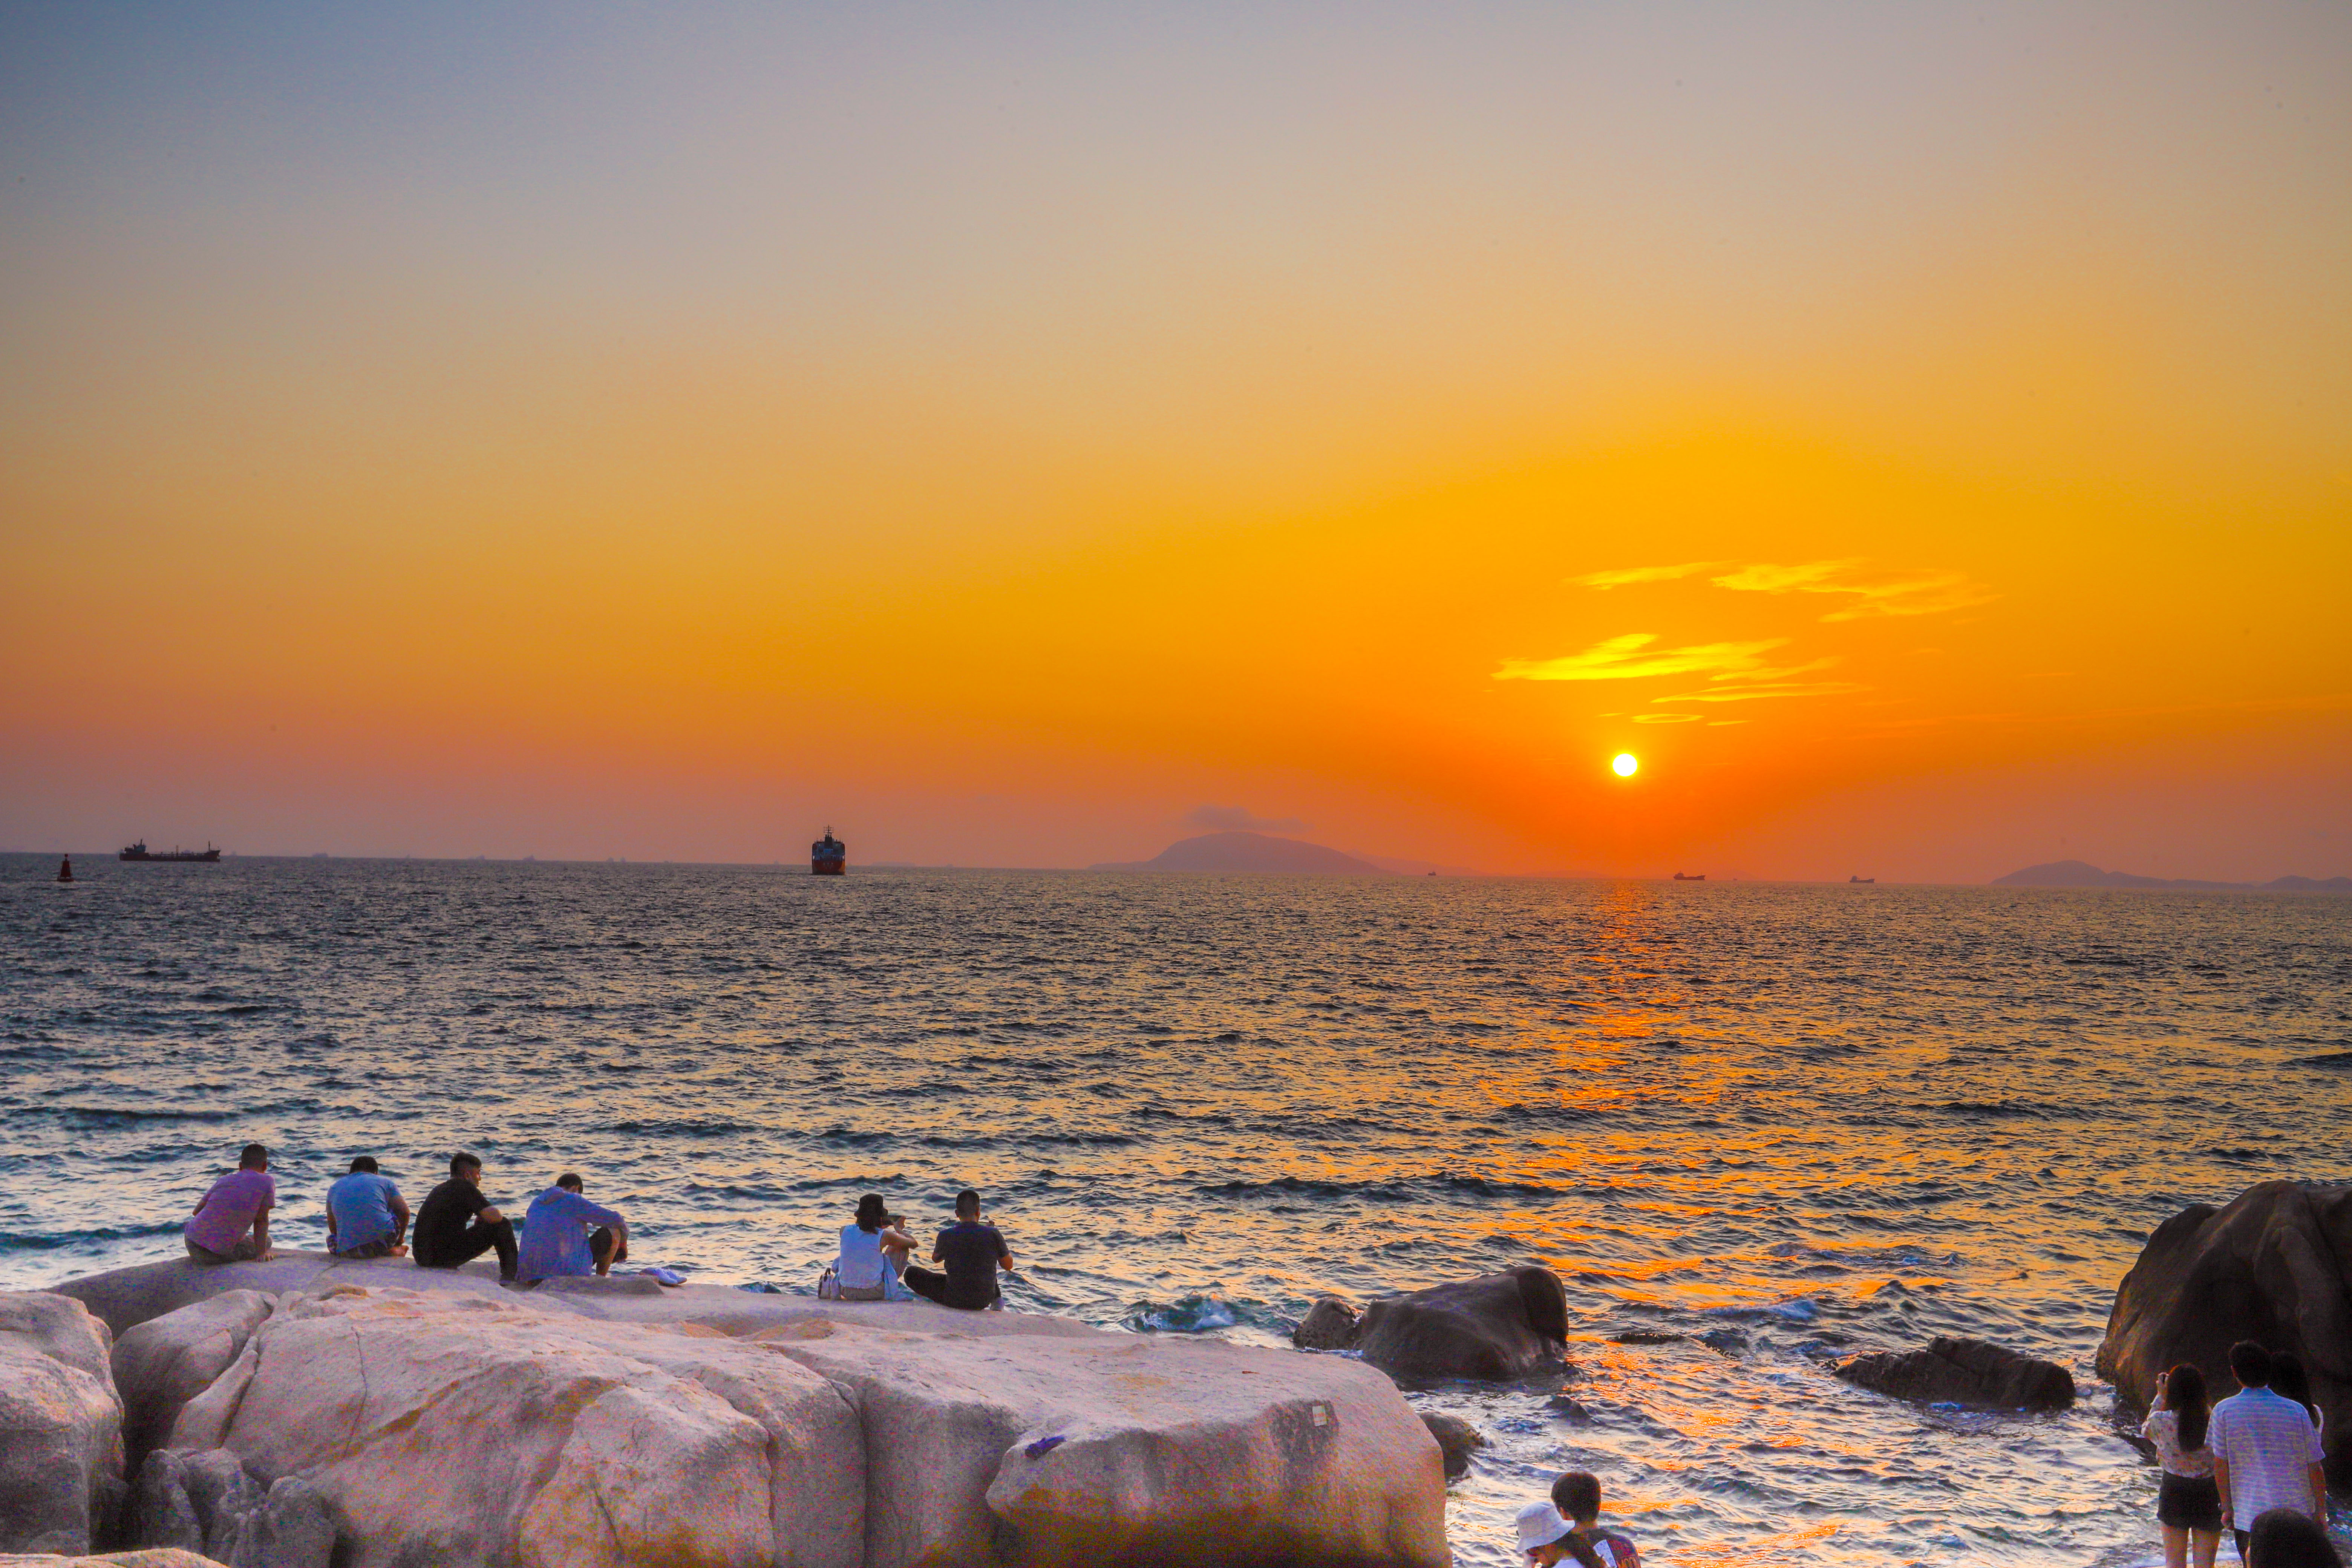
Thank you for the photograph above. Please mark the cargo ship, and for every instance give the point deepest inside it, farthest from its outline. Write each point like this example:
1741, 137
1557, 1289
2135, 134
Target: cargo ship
828, 857
1686, 876
139, 851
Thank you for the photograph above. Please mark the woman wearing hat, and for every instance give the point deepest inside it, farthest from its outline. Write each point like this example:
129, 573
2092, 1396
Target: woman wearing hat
1565, 1530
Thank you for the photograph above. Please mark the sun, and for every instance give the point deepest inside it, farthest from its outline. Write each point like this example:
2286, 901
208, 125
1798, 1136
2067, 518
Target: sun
1624, 764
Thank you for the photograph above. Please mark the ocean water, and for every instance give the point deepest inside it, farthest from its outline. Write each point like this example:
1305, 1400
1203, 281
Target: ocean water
1760, 1126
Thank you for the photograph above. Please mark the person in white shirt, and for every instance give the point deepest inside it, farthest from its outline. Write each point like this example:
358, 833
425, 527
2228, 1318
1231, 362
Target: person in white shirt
2266, 1450
2188, 1503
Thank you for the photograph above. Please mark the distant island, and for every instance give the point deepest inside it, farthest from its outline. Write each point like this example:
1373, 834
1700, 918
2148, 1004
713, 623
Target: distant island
2080, 874
1250, 852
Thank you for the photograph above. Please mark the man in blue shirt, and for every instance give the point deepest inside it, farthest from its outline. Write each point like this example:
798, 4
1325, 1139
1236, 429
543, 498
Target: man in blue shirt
556, 1237
366, 1216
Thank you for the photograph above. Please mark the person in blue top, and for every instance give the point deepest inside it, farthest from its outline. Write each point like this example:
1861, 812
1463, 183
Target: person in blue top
565, 1233
366, 1216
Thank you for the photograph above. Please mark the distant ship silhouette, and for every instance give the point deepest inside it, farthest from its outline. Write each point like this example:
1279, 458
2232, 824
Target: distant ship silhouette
1686, 876
140, 851
828, 857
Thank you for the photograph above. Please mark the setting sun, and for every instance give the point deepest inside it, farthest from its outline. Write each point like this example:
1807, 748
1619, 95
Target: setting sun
1624, 763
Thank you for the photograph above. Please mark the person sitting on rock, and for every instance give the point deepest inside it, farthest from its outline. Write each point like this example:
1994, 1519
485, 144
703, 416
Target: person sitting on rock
231, 1223
2266, 1450
457, 1223
862, 1271
974, 1254
565, 1236
366, 1216
1577, 1498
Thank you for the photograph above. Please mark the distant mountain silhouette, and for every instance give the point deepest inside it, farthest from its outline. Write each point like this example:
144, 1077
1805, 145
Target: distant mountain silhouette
2080, 874
1249, 852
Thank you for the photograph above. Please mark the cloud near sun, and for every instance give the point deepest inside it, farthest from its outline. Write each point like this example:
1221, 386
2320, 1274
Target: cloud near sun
1737, 669
1902, 593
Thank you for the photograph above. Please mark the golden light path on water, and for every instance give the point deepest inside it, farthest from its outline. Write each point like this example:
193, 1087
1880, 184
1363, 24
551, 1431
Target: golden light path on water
1755, 1128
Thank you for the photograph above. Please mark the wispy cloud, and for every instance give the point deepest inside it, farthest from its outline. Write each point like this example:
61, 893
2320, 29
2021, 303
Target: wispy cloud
1903, 593
1642, 574
1665, 718
1240, 819
1631, 658
1873, 592
1730, 693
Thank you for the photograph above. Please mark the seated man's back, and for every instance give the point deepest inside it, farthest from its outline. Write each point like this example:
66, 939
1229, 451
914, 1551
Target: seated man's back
555, 1234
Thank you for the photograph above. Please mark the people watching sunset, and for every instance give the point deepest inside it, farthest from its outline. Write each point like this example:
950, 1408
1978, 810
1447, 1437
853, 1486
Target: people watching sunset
974, 1253
366, 1216
565, 1236
862, 1269
2266, 1451
231, 1222
457, 1223
2187, 1502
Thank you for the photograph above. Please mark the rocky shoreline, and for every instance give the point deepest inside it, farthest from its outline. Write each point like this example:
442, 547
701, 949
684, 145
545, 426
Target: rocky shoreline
317, 1412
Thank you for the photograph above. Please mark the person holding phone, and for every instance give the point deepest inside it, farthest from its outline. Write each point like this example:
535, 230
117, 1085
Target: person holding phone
2187, 1500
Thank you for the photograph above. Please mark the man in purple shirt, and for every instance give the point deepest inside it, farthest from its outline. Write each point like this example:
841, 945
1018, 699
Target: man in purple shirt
237, 1204
556, 1238
2265, 1448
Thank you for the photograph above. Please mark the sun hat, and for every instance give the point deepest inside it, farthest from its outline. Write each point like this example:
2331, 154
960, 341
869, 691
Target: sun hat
1540, 1524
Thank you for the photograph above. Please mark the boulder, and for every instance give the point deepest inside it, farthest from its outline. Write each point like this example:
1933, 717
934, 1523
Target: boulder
2275, 1266
1964, 1372
1456, 1439
1330, 1325
460, 1430
1043, 1451
207, 1502
60, 1425
1495, 1328
159, 1365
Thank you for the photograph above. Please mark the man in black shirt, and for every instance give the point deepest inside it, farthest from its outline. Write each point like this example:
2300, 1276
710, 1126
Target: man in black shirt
457, 1223
974, 1253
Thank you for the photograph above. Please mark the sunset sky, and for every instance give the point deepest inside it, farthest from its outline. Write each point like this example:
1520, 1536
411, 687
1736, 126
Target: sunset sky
1922, 434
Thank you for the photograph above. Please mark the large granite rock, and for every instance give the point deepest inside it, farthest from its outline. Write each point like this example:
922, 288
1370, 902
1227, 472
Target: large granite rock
208, 1502
1964, 1372
2276, 1266
1492, 1328
159, 1365
1330, 1325
1029, 1450
60, 1425
458, 1430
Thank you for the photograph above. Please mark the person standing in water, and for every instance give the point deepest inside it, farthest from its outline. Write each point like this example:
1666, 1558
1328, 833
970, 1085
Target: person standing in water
2187, 1502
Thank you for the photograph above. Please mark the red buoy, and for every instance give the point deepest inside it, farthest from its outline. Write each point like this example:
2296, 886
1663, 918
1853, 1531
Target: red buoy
65, 870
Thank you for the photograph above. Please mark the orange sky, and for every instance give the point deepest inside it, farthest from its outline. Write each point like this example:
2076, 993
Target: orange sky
1921, 438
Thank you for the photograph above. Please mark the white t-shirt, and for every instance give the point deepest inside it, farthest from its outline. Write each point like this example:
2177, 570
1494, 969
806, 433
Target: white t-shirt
861, 1266
2271, 1443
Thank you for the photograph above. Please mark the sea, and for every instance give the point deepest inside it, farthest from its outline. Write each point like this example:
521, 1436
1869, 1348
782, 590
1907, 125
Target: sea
1755, 1127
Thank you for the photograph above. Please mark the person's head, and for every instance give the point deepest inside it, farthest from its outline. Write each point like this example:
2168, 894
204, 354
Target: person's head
571, 1182
1541, 1530
2289, 1538
2184, 1396
1577, 1495
871, 1214
253, 1157
2250, 1363
2288, 1378
967, 1205
363, 1163
465, 1168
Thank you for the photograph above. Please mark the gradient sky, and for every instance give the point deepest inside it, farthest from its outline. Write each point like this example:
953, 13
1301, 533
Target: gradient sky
1923, 436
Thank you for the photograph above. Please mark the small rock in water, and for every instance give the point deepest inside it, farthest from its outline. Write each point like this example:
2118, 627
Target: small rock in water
1647, 1337
1456, 1439
1330, 1325
1964, 1372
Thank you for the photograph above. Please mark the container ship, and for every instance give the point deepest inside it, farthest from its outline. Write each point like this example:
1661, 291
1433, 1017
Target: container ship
828, 857
140, 851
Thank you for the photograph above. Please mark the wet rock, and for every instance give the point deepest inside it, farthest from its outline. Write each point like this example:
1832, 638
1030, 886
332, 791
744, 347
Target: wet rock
1456, 1439
2275, 1266
159, 1365
1495, 1328
60, 1425
1056, 1453
1330, 1325
1964, 1372
1647, 1337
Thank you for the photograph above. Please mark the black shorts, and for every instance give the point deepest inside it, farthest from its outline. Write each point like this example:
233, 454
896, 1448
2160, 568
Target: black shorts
2189, 1503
